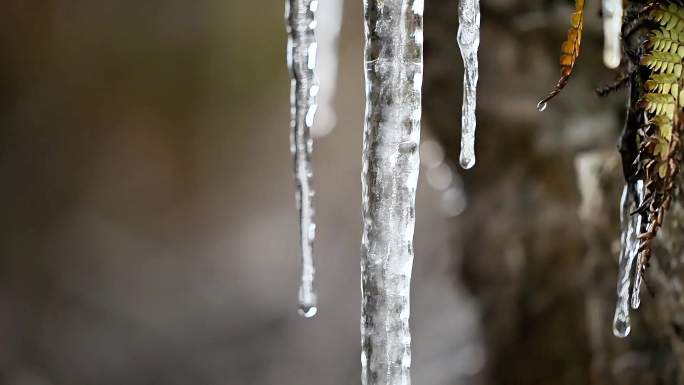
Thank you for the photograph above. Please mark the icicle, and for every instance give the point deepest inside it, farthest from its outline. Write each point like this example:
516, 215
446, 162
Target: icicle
629, 248
301, 60
329, 22
468, 42
636, 285
621, 326
393, 65
612, 23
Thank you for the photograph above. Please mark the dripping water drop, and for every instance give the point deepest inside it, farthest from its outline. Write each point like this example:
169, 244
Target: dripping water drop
541, 106
621, 327
307, 311
467, 161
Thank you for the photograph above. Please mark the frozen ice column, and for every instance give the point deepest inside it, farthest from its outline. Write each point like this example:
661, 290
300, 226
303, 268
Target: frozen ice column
300, 17
393, 70
469, 42
630, 225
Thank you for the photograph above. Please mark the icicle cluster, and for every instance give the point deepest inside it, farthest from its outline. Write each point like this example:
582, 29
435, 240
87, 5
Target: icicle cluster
393, 72
612, 24
629, 279
468, 42
301, 59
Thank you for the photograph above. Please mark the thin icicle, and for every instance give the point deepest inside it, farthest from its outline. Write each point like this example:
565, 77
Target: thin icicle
393, 71
636, 285
629, 247
612, 23
468, 42
329, 22
301, 59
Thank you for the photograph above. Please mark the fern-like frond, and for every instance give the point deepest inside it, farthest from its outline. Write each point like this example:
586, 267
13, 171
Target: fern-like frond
569, 52
663, 62
667, 41
662, 104
663, 83
658, 104
664, 126
671, 17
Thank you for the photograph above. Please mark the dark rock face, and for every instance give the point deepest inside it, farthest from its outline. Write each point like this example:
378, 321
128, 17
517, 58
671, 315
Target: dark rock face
541, 229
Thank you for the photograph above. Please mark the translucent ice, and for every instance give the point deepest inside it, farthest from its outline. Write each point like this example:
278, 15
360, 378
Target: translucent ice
300, 18
629, 248
468, 42
393, 71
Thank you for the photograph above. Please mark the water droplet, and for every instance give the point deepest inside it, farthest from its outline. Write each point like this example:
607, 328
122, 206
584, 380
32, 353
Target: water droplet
467, 162
541, 106
307, 311
621, 327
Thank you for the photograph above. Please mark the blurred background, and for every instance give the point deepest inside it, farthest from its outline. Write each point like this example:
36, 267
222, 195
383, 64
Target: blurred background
149, 230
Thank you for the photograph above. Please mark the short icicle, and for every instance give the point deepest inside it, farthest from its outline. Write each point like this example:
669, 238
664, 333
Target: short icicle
629, 249
393, 73
612, 24
468, 42
301, 59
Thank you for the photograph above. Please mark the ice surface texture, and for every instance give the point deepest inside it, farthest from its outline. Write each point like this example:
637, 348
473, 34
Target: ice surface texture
393, 72
468, 42
628, 276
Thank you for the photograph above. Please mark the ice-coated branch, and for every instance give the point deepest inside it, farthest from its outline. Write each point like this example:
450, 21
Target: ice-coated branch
300, 18
469, 42
393, 71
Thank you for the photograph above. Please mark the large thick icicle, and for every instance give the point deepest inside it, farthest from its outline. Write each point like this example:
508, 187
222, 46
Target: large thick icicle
468, 42
393, 69
629, 249
301, 58
612, 23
